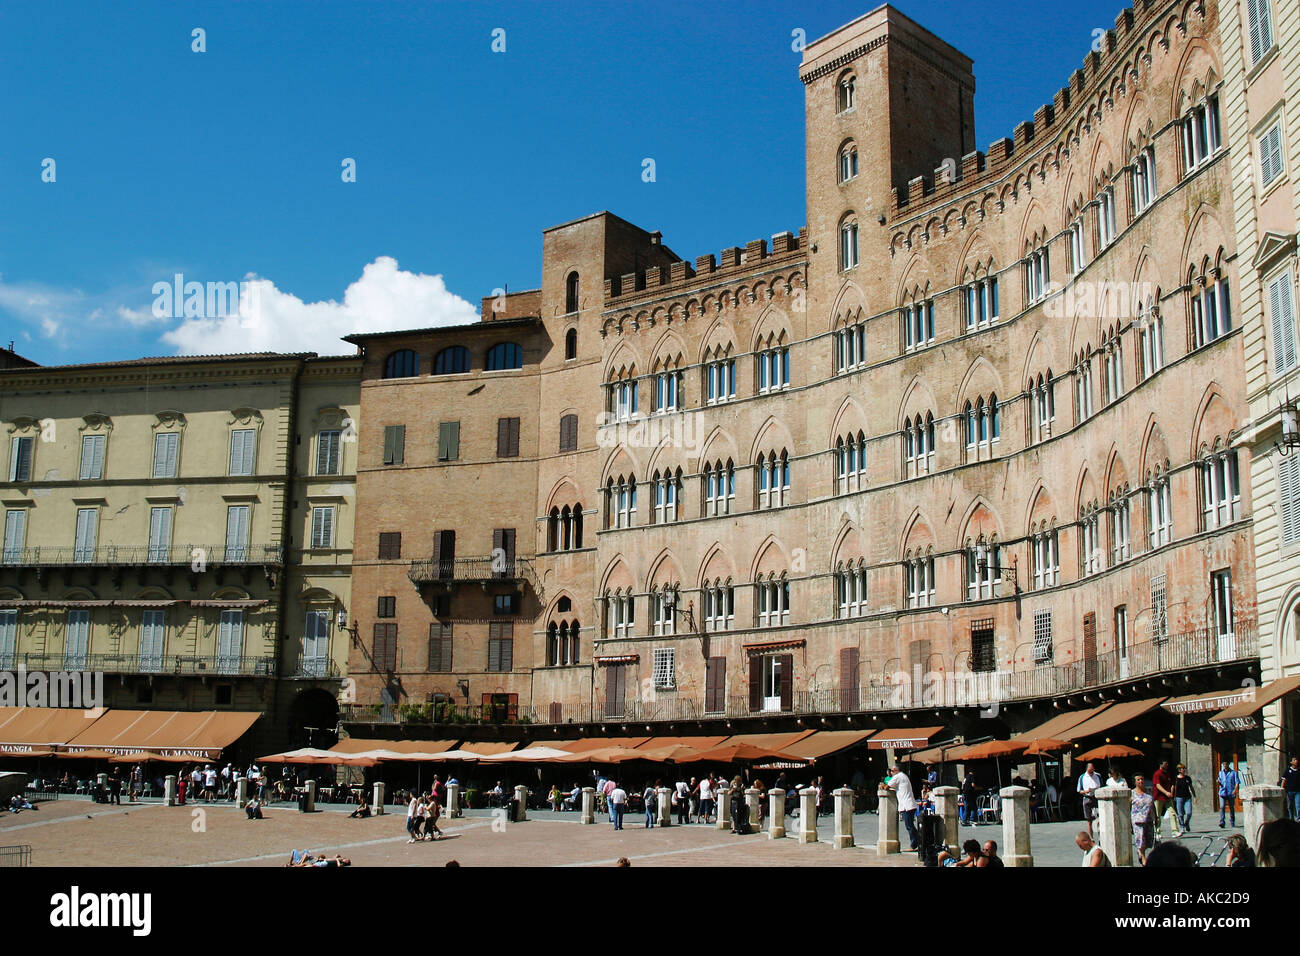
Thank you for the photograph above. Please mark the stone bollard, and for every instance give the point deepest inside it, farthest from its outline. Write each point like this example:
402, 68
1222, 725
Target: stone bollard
945, 807
1115, 824
309, 804
169, 790
843, 819
588, 805
724, 809
377, 802
808, 815
453, 800
776, 814
752, 799
1015, 825
887, 840
1261, 804
521, 804
241, 791
664, 807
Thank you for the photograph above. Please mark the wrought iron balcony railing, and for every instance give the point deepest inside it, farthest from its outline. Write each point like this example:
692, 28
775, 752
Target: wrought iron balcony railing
474, 570
196, 557
162, 664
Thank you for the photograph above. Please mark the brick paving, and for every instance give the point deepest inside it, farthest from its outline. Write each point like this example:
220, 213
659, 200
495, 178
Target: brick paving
75, 832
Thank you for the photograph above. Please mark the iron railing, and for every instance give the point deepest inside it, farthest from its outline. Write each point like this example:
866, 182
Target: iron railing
474, 570
163, 664
197, 557
309, 668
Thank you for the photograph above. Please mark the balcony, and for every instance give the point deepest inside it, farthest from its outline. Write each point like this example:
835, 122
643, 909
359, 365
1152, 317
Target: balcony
482, 570
191, 559
167, 665
314, 668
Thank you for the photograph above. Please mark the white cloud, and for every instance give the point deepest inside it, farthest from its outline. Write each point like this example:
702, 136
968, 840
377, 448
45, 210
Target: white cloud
384, 299
137, 318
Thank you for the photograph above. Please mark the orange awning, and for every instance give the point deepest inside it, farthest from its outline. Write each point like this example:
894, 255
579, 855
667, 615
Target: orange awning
1113, 716
902, 738
823, 743
660, 743
1055, 727
354, 745
1241, 716
485, 748
779, 742
26, 726
597, 743
199, 734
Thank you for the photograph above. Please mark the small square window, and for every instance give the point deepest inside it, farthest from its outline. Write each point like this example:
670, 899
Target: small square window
505, 604
223, 694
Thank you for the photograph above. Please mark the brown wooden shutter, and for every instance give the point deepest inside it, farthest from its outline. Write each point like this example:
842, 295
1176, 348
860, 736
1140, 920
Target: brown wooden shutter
503, 437
444, 552
556, 712
755, 683
615, 689
384, 650
1090, 647
787, 681
848, 678
514, 437
715, 685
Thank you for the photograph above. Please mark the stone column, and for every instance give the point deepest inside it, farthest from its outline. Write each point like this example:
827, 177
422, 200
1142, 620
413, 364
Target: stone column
808, 815
380, 794
588, 804
843, 819
887, 841
945, 807
1115, 824
453, 800
310, 804
1015, 825
241, 791
752, 804
664, 807
169, 790
521, 804
1261, 804
723, 801
776, 814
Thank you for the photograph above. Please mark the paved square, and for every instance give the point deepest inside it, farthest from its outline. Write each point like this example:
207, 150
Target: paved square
77, 832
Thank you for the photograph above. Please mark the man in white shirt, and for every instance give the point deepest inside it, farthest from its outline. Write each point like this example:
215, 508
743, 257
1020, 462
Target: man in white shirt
1093, 855
209, 783
706, 799
617, 804
1089, 781
899, 782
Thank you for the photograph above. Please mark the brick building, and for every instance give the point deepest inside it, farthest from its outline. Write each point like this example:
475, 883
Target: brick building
979, 419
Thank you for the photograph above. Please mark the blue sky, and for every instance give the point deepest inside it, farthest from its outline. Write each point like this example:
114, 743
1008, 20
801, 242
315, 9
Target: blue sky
226, 164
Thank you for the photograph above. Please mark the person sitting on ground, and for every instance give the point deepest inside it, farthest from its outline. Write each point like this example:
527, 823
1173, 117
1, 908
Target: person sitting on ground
1169, 853
254, 809
1239, 851
1279, 844
18, 803
971, 855
990, 856
1093, 855
362, 810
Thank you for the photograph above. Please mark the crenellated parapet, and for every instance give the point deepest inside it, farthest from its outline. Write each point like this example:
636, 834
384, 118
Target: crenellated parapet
983, 184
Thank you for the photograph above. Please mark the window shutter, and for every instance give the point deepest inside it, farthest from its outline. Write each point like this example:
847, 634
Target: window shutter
1256, 33
514, 436
327, 453
787, 681
715, 685
755, 683
388, 444
503, 437
1288, 479
15, 534
848, 678
394, 444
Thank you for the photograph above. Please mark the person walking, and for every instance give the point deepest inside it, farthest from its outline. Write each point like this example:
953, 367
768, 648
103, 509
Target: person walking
1142, 809
115, 787
137, 783
617, 804
693, 800
650, 799
1162, 792
413, 819
706, 800
682, 800
1290, 782
969, 795
1184, 795
1229, 784
1089, 784
902, 785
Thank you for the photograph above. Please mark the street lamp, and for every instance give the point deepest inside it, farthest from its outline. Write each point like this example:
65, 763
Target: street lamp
1290, 428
